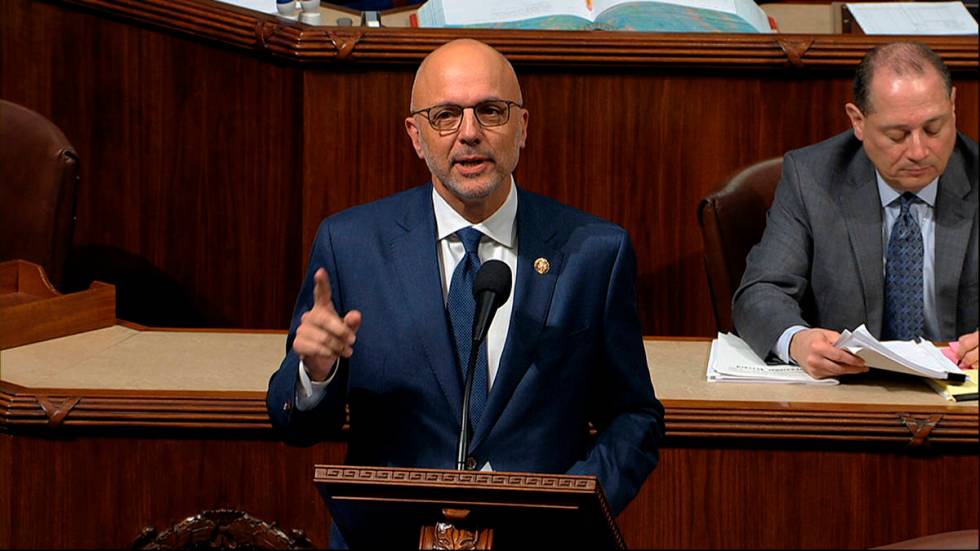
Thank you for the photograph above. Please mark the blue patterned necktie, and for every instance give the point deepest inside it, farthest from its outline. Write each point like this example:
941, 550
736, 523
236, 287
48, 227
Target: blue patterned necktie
903, 276
462, 307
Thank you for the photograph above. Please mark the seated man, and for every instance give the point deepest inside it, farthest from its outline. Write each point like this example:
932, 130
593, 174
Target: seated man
379, 322
877, 225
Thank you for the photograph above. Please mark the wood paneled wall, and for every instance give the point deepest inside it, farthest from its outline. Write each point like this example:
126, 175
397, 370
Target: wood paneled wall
210, 152
191, 165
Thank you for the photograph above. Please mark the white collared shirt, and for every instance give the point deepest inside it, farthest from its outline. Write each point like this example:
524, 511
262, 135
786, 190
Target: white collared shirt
499, 242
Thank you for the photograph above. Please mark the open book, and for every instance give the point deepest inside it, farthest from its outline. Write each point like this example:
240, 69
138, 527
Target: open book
732, 361
920, 358
689, 16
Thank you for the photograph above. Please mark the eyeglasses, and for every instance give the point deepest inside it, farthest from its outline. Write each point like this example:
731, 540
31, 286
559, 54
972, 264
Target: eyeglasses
448, 117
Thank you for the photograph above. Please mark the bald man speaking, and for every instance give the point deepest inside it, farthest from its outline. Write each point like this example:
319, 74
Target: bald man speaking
377, 324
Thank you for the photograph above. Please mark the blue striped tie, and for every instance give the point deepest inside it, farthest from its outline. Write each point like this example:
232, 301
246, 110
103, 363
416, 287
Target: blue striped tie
462, 307
903, 276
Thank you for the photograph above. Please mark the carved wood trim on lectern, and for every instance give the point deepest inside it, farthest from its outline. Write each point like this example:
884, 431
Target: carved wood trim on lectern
452, 534
423, 477
459, 492
448, 536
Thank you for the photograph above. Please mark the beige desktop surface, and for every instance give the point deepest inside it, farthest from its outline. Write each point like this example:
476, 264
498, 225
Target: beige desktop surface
126, 359
689, 383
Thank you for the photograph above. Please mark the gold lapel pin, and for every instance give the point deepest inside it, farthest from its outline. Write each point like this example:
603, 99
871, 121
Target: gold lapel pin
542, 266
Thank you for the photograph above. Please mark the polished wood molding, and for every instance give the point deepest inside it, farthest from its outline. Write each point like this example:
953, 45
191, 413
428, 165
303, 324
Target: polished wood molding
911, 428
27, 409
899, 427
32, 310
298, 42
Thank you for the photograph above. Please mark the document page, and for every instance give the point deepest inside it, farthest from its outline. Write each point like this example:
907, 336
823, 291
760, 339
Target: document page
450, 12
264, 6
733, 361
922, 18
920, 358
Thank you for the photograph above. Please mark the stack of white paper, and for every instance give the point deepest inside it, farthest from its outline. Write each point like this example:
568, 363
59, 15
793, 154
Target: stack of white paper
914, 358
732, 361
264, 6
914, 18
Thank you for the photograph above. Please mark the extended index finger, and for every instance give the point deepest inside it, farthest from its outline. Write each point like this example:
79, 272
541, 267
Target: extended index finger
321, 289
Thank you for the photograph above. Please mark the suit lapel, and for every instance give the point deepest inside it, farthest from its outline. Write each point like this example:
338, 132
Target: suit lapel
417, 271
532, 301
954, 219
861, 206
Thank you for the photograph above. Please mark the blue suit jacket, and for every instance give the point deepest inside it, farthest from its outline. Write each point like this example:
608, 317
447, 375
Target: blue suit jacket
574, 352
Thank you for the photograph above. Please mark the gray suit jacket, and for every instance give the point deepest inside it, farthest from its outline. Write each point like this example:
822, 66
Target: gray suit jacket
819, 263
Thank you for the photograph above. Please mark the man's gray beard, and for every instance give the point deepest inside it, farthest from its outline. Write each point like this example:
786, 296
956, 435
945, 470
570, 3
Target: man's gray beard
468, 195
453, 186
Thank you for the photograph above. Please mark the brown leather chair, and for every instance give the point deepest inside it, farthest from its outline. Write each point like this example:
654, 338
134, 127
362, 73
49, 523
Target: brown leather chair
38, 187
732, 220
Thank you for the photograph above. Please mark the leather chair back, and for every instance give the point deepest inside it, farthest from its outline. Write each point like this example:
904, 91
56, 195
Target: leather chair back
38, 187
732, 220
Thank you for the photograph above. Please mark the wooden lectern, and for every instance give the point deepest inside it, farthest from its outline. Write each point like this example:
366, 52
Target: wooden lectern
383, 507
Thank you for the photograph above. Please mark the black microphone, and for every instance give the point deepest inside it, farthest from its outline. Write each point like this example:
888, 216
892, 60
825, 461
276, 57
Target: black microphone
491, 288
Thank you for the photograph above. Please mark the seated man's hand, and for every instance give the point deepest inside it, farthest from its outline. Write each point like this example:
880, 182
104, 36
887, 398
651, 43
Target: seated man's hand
967, 351
814, 350
323, 336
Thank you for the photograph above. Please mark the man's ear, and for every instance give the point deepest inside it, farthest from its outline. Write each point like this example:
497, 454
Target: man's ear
857, 120
413, 133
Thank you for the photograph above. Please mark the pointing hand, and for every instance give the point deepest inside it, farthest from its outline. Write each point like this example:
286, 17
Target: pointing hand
323, 335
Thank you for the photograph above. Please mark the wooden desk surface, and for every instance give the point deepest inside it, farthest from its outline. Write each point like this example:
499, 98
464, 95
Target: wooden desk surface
152, 374
123, 358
